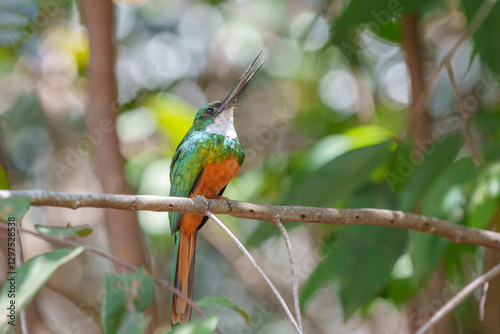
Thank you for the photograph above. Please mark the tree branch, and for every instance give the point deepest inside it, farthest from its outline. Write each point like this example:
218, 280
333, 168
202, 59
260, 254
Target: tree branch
476, 23
454, 232
256, 266
420, 118
466, 133
125, 240
295, 283
452, 303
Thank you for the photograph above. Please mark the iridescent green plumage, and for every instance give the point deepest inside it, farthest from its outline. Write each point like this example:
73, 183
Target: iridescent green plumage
196, 150
207, 158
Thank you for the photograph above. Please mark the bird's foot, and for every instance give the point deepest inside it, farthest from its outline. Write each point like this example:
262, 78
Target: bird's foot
228, 201
204, 200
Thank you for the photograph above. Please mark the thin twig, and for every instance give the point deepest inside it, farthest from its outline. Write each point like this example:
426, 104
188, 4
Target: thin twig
116, 260
469, 140
380, 217
295, 283
249, 256
455, 301
473, 27
482, 300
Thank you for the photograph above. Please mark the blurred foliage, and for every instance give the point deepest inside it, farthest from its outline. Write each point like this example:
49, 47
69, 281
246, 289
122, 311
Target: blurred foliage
199, 326
126, 298
14, 207
222, 302
4, 181
31, 276
325, 123
64, 232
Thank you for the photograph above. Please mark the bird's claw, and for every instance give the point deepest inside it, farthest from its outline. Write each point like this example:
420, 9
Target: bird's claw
228, 201
204, 200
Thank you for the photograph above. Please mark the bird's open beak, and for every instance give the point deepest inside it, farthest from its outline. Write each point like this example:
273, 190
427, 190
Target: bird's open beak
240, 86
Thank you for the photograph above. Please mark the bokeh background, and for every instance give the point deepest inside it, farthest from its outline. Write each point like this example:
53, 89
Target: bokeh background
326, 122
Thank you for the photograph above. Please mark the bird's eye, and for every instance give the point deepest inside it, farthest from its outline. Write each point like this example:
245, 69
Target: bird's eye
210, 111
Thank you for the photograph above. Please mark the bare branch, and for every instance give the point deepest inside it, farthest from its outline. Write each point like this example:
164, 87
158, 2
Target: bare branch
114, 259
482, 301
295, 283
399, 219
469, 141
259, 269
412, 44
473, 27
453, 303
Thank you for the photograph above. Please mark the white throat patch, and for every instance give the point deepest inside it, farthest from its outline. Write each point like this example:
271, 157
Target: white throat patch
223, 124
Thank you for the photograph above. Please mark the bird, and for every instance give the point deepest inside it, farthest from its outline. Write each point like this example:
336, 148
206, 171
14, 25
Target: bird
208, 157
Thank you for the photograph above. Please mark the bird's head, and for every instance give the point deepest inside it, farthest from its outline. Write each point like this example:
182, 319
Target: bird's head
217, 117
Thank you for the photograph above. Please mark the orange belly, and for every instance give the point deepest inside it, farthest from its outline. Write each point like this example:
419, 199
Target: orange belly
215, 177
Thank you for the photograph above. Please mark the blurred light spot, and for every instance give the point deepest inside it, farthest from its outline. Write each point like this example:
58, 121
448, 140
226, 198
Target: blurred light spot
310, 30
155, 181
284, 58
135, 125
453, 202
190, 92
339, 91
466, 69
378, 47
403, 268
395, 86
465, 63
59, 69
168, 56
242, 42
154, 222
199, 24
494, 188
130, 76
125, 20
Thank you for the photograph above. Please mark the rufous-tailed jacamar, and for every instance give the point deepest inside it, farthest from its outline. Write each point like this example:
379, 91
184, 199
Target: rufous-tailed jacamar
208, 157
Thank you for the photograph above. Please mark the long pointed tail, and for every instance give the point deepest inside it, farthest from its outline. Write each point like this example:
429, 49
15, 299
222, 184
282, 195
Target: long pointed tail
183, 276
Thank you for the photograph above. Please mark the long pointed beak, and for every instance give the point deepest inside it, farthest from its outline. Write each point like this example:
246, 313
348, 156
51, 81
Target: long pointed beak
240, 86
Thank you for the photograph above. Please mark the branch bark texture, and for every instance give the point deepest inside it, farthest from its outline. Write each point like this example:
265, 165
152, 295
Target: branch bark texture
311, 215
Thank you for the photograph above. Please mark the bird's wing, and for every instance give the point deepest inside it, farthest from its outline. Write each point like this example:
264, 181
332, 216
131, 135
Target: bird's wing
185, 171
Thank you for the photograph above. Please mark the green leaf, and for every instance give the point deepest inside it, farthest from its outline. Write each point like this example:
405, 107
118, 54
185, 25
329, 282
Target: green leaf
426, 253
198, 326
363, 261
399, 291
377, 15
63, 232
328, 185
4, 181
126, 297
223, 302
487, 37
338, 178
424, 166
14, 206
320, 276
446, 196
485, 197
31, 276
